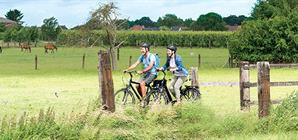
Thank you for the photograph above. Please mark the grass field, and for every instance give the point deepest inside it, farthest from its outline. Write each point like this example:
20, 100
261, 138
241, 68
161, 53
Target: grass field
60, 82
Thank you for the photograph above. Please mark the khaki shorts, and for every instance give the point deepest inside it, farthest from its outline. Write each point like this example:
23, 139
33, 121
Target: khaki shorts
148, 78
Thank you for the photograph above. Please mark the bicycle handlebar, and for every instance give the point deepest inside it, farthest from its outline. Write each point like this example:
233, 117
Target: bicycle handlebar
164, 73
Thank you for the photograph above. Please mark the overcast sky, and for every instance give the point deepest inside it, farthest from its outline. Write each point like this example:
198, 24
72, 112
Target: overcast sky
76, 12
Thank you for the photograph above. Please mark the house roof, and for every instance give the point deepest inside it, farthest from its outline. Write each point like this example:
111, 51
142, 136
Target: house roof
4, 20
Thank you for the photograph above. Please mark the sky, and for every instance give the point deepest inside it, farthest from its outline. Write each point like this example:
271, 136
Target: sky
76, 12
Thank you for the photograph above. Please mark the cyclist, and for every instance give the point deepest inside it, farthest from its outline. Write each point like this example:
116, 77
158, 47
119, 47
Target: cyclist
149, 71
174, 63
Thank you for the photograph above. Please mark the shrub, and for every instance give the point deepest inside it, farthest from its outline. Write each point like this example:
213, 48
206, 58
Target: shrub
274, 40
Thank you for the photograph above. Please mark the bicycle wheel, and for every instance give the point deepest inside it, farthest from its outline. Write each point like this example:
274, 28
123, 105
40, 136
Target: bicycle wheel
162, 96
191, 94
151, 96
124, 96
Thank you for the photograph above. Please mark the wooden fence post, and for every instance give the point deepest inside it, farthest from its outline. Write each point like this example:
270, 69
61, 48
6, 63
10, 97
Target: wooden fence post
129, 61
263, 88
118, 53
35, 62
106, 81
83, 61
244, 86
194, 77
230, 62
199, 60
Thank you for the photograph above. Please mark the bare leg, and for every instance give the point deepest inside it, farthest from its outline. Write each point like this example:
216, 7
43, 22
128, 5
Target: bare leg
143, 89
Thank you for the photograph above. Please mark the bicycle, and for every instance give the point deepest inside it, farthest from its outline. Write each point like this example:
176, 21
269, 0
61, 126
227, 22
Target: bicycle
161, 93
128, 93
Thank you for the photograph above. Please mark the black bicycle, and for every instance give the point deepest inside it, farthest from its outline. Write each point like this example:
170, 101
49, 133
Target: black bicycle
128, 94
160, 92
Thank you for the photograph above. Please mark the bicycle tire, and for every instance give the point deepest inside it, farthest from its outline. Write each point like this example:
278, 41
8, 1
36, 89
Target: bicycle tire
124, 96
162, 96
151, 96
192, 94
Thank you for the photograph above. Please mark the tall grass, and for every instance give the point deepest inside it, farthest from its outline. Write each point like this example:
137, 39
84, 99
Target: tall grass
189, 121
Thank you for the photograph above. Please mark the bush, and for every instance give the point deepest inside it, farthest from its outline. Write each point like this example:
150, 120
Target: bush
274, 40
283, 118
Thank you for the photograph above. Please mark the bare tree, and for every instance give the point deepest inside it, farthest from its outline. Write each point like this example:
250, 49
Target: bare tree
107, 16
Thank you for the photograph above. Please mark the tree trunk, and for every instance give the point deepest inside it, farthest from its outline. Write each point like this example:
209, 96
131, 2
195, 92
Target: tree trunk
113, 57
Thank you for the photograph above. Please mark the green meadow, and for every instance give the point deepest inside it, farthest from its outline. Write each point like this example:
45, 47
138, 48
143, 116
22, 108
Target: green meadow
64, 99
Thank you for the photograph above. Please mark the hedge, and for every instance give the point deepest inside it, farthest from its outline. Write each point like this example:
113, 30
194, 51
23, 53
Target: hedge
158, 38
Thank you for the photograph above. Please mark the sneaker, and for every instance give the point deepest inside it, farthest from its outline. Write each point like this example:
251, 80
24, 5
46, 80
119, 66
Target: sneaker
178, 103
143, 104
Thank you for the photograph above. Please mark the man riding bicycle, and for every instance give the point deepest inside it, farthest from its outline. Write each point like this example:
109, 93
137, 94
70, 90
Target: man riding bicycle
149, 71
174, 63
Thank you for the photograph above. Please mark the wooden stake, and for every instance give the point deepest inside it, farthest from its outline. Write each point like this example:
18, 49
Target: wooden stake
199, 61
263, 88
35, 62
106, 81
244, 86
83, 61
129, 62
194, 77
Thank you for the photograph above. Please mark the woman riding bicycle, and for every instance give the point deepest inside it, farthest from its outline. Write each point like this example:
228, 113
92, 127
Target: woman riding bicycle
180, 73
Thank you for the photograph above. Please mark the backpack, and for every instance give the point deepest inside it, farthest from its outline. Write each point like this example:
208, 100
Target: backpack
157, 60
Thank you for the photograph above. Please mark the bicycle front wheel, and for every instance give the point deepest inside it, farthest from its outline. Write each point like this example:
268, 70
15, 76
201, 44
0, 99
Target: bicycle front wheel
124, 97
161, 96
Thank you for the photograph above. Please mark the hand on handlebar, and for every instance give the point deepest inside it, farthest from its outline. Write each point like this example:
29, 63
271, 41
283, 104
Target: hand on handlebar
140, 72
172, 70
160, 69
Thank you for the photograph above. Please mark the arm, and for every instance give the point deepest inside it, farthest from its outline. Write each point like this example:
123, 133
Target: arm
166, 65
149, 67
179, 63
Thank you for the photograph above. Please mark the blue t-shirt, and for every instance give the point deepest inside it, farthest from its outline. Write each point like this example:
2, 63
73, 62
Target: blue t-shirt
146, 61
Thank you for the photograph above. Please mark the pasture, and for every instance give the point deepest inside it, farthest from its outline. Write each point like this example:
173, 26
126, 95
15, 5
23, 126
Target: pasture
60, 82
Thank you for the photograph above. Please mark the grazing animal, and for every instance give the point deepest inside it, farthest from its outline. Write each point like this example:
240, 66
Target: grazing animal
0, 49
25, 46
50, 46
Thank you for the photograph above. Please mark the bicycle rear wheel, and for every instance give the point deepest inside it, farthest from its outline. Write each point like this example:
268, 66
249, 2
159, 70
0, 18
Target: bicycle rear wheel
191, 94
124, 97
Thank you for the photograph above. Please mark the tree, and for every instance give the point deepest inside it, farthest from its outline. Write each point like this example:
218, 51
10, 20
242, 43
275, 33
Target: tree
15, 15
50, 29
188, 22
146, 21
170, 20
2, 27
210, 22
271, 36
234, 20
123, 24
131, 23
265, 9
11, 34
34, 34
106, 16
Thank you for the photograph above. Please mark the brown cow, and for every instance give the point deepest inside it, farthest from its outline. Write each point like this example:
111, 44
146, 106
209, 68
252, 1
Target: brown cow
25, 46
50, 46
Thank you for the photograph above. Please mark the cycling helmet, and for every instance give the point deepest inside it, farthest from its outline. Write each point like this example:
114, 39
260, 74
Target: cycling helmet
172, 47
145, 45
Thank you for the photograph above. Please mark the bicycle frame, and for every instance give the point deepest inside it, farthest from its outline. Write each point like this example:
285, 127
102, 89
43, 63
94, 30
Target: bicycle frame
130, 85
165, 86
